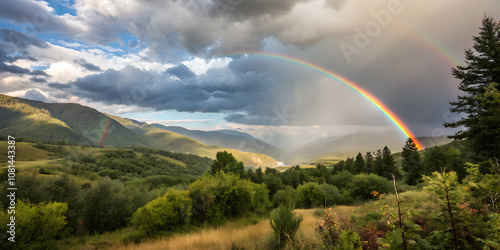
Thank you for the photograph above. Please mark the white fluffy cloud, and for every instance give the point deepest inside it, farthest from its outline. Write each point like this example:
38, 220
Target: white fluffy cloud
64, 72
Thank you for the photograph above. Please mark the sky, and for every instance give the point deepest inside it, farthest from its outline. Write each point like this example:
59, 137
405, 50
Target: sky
180, 62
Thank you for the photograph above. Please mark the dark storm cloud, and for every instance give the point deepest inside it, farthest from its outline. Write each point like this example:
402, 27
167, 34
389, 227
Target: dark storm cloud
14, 46
39, 73
19, 70
220, 90
37, 80
181, 71
60, 86
21, 40
88, 66
253, 8
13, 69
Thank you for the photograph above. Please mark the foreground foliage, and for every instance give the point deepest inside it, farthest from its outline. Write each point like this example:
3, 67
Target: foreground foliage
37, 225
285, 224
446, 215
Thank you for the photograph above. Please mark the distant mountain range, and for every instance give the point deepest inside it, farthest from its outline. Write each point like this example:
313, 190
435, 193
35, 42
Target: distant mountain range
83, 125
228, 139
332, 149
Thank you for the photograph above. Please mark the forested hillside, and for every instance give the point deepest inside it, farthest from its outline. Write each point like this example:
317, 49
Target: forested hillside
79, 125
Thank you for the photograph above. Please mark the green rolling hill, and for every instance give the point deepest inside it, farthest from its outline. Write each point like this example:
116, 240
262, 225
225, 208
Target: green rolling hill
78, 124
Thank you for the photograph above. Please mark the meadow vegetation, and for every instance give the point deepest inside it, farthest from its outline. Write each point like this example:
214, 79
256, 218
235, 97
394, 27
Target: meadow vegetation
444, 197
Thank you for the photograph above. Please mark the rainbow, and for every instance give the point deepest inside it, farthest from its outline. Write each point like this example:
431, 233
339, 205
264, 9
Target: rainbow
433, 44
445, 53
367, 95
104, 133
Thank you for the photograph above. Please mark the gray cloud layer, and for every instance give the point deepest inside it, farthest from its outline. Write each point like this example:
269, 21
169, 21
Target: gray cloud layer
88, 66
13, 47
397, 64
178, 88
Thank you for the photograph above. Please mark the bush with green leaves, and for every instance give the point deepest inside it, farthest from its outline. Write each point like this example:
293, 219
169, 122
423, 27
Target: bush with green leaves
217, 198
349, 240
363, 184
445, 186
342, 179
168, 213
285, 223
332, 195
310, 195
36, 225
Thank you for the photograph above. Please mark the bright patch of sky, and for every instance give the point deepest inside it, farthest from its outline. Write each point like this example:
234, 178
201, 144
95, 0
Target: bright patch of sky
196, 121
62, 7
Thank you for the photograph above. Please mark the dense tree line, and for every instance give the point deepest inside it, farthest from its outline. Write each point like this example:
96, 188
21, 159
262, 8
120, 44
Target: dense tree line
383, 164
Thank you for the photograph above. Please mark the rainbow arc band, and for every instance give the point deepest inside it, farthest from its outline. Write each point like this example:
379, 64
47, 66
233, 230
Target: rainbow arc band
438, 48
367, 95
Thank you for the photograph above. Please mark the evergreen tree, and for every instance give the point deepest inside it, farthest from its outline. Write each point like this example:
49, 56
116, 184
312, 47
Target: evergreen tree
389, 167
369, 163
349, 164
483, 68
379, 164
487, 129
359, 164
260, 175
411, 162
340, 166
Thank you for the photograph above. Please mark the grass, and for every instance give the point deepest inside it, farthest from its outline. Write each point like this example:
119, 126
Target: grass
248, 237
105, 240
240, 233
24, 152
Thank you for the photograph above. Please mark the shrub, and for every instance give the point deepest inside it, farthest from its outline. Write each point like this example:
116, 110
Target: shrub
332, 195
310, 195
165, 214
342, 179
349, 240
217, 198
37, 226
285, 224
362, 185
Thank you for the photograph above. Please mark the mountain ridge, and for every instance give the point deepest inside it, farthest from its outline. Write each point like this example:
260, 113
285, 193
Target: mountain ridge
79, 124
228, 139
